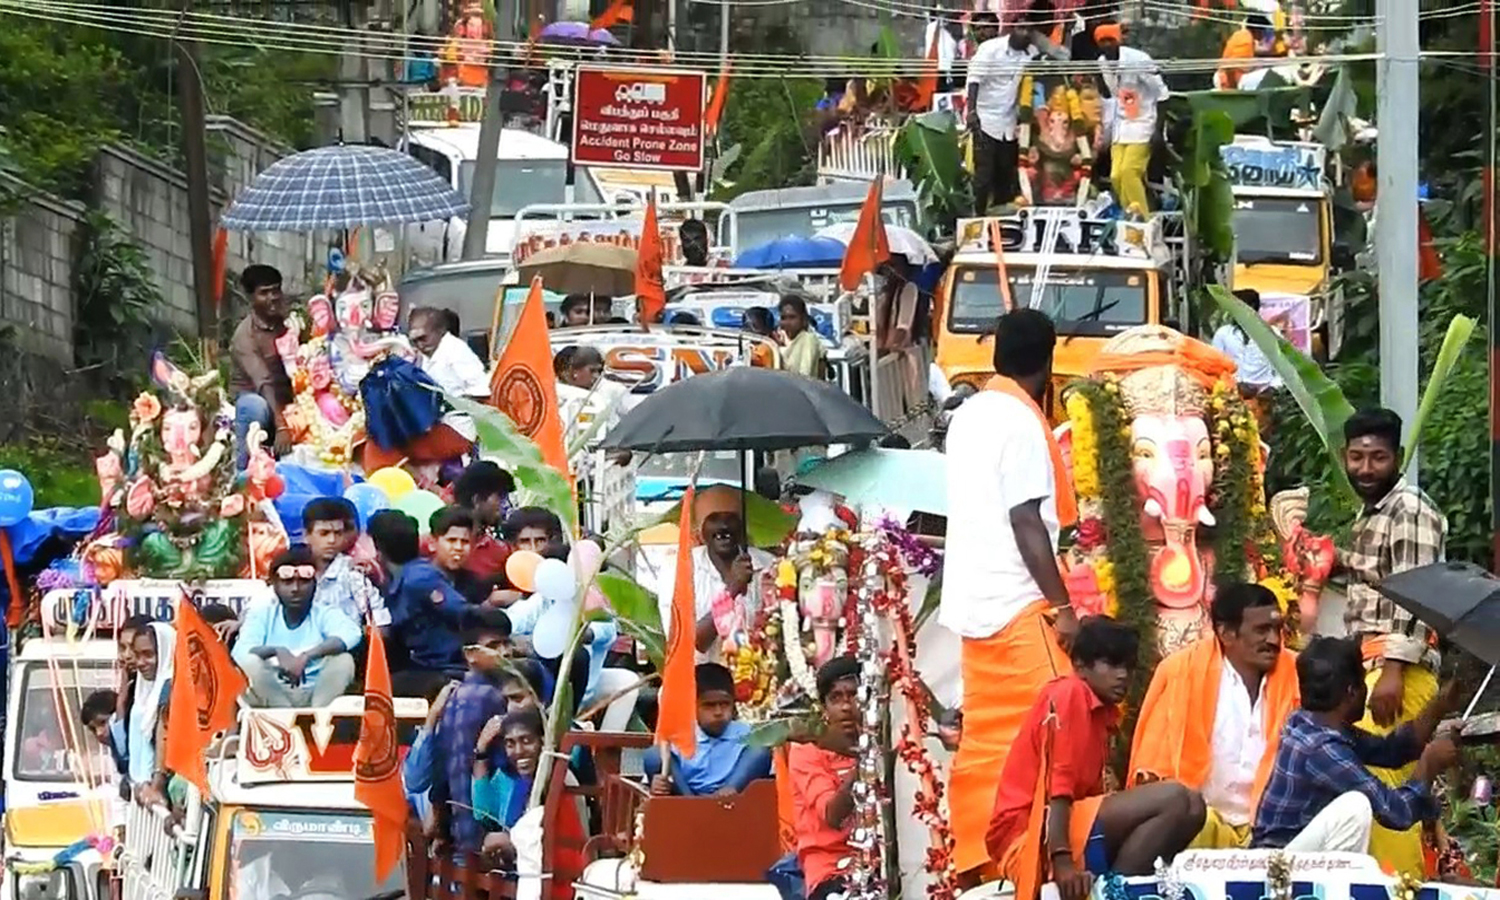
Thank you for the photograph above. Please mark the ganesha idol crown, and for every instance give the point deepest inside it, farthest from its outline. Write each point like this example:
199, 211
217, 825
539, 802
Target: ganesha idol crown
1171, 387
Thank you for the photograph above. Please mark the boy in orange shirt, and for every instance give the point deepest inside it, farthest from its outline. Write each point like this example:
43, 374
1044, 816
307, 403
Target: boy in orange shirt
823, 782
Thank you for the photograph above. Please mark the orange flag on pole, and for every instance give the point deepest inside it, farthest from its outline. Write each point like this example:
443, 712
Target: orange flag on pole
221, 266
650, 291
618, 11
377, 763
204, 694
524, 386
715, 110
677, 706
868, 246
927, 85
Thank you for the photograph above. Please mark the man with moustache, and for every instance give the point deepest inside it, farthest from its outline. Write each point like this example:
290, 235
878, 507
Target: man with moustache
1213, 715
1399, 528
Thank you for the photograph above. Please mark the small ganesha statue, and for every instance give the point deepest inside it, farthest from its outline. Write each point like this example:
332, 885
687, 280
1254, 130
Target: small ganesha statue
172, 485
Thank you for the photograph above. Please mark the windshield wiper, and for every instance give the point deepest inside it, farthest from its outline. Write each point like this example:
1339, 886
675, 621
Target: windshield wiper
1090, 316
1285, 258
398, 894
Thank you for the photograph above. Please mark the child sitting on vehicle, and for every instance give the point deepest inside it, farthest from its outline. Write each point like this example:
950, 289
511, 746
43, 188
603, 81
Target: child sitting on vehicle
723, 763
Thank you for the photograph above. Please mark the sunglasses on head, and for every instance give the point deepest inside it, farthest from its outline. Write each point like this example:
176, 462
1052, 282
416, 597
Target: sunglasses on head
291, 573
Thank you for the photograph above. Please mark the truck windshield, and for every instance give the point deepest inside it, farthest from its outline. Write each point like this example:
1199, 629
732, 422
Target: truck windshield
1285, 230
1087, 302
522, 182
50, 704
760, 226
306, 855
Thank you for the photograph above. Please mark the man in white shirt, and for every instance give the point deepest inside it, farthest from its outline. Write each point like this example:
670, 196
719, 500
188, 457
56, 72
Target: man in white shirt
1135, 87
725, 572
1213, 715
993, 94
1253, 370
450, 361
1008, 496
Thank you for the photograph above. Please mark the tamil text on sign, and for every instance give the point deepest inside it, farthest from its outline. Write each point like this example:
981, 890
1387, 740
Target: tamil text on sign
640, 118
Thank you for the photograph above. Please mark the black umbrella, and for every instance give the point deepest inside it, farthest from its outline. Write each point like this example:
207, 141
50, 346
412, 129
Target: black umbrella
1461, 602
744, 408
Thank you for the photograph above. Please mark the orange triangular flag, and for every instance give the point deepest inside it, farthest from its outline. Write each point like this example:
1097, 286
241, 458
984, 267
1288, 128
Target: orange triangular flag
715, 109
524, 386
677, 704
927, 85
1429, 264
204, 694
650, 291
618, 11
377, 763
869, 246
221, 266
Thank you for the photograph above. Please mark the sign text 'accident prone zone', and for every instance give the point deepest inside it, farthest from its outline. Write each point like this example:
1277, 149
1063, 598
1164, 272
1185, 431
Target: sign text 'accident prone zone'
639, 119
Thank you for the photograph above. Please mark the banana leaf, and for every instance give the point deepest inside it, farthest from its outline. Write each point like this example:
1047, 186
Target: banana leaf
636, 614
767, 526
1320, 399
928, 148
538, 483
1460, 329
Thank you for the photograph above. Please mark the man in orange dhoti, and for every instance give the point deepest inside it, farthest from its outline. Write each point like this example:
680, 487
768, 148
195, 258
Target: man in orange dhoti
1213, 715
1008, 494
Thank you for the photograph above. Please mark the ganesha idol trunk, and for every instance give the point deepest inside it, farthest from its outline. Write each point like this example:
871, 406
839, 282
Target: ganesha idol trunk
1165, 462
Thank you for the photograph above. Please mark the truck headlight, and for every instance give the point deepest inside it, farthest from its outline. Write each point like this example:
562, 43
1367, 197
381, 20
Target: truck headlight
53, 885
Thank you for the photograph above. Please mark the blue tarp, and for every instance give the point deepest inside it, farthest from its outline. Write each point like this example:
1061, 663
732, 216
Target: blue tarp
304, 485
28, 536
793, 252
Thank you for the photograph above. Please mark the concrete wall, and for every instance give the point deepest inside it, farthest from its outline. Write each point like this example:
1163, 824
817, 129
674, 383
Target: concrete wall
36, 270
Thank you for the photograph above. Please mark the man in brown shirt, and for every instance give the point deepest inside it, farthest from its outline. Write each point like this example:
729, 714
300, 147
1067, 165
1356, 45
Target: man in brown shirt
257, 376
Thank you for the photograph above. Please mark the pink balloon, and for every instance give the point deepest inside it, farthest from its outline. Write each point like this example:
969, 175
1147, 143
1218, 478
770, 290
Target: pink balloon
586, 558
594, 600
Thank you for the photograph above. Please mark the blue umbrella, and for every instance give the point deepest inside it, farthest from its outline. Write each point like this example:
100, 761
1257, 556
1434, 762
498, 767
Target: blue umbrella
793, 252
346, 186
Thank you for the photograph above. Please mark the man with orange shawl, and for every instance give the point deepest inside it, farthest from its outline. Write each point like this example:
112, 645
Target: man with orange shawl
1008, 494
1213, 715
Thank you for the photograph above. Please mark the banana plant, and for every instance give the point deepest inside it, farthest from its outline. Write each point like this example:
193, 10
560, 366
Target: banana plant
928, 148
1322, 400
538, 482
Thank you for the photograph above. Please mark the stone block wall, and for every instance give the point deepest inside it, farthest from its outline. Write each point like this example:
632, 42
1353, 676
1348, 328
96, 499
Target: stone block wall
36, 270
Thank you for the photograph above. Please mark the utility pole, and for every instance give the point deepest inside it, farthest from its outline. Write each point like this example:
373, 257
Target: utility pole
1396, 238
1492, 253
200, 215
482, 191
354, 76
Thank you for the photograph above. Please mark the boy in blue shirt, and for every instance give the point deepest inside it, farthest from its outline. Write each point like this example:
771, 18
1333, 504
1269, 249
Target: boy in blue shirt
723, 764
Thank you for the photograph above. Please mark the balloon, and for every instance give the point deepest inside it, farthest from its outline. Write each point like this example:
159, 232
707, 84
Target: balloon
16, 498
420, 505
586, 558
520, 569
368, 500
549, 639
556, 582
275, 487
396, 483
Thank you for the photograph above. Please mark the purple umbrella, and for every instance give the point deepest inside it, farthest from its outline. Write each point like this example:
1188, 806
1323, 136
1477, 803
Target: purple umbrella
575, 33
603, 36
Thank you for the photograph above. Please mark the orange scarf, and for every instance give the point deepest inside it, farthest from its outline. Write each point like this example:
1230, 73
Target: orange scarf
1174, 734
1062, 485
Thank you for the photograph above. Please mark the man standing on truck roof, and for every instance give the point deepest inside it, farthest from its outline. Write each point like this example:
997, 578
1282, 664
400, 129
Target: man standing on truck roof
258, 379
1136, 87
1002, 590
994, 87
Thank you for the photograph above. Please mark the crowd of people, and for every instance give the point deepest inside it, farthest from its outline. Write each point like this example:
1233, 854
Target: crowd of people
1238, 742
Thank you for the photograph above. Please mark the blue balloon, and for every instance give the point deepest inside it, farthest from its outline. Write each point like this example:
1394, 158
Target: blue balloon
550, 636
367, 499
16, 498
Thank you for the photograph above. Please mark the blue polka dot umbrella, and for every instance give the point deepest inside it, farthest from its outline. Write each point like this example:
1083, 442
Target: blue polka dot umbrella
347, 186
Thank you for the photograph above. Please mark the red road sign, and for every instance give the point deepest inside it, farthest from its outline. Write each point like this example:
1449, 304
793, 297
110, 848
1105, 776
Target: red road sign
639, 119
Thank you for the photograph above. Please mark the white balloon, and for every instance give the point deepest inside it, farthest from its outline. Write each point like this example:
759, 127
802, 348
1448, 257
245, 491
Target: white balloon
550, 636
554, 579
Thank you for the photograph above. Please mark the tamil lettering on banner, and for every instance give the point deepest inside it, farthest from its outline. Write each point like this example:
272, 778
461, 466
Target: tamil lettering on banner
1268, 165
639, 118
1241, 875
107, 608
536, 235
314, 744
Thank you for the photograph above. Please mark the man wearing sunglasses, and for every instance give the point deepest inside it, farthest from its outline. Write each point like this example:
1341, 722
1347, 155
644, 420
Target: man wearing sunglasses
293, 652
723, 571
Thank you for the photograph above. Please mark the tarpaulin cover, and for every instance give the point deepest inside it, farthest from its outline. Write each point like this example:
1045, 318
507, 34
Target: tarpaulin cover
304, 485
28, 536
